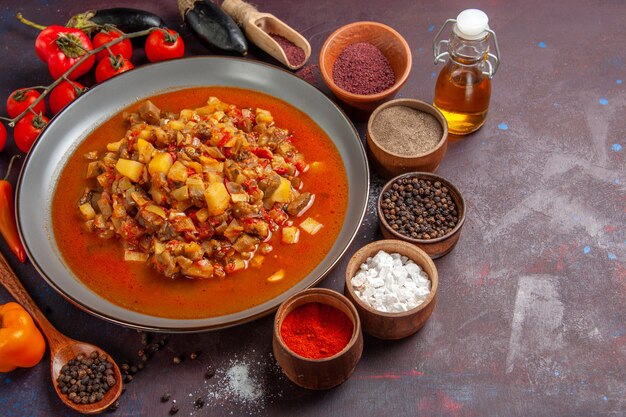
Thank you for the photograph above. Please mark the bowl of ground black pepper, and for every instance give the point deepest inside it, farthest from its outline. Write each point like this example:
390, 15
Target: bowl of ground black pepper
406, 135
424, 209
365, 64
317, 338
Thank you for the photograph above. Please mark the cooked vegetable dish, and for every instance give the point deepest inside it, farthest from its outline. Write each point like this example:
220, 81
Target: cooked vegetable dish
199, 193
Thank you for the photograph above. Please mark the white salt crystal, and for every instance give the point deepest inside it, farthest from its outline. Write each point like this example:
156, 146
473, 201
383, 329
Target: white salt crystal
391, 283
382, 259
359, 279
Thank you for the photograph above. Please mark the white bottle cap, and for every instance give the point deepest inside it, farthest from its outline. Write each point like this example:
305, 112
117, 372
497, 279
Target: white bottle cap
471, 24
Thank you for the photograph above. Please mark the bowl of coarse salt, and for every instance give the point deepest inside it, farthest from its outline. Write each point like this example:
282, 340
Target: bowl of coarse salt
393, 285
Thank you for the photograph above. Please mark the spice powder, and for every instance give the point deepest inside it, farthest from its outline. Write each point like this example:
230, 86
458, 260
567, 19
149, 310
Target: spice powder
316, 330
406, 131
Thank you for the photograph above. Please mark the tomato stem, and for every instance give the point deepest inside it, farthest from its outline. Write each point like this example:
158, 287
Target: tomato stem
6, 176
27, 22
169, 37
46, 90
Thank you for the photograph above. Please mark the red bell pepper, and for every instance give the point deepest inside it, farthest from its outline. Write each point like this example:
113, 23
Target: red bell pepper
8, 228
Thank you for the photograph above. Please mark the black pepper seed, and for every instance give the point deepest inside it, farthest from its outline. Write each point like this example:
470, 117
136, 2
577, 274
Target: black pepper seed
210, 372
173, 410
114, 406
198, 403
82, 381
419, 208
165, 397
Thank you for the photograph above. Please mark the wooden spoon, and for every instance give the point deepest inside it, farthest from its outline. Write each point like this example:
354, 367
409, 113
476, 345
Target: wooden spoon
258, 26
62, 348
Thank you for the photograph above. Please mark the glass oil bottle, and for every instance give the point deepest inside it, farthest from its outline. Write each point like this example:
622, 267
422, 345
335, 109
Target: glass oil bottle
463, 88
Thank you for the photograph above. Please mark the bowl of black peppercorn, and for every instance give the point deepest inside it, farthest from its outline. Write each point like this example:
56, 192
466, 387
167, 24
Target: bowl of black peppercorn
424, 209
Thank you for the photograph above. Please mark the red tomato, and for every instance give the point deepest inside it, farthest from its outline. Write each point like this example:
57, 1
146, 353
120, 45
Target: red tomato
164, 44
3, 136
27, 130
63, 94
111, 67
124, 48
20, 99
69, 47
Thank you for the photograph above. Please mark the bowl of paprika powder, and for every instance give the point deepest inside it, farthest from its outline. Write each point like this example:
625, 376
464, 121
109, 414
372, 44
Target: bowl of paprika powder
317, 338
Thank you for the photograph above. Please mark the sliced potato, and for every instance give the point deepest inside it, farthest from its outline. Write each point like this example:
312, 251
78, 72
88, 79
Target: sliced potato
202, 215
87, 211
277, 276
311, 226
145, 150
129, 168
256, 261
132, 256
161, 162
114, 146
283, 193
290, 235
181, 193
217, 198
177, 172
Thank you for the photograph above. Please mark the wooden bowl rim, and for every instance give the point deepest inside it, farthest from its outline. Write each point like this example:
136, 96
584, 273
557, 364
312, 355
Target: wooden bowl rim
327, 73
369, 250
356, 321
430, 176
409, 102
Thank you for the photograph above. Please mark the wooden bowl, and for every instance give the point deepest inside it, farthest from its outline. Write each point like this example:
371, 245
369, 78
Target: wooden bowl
388, 163
392, 325
392, 45
437, 247
323, 373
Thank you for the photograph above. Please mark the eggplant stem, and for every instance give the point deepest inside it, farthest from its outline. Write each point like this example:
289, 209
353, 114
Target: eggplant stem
19, 16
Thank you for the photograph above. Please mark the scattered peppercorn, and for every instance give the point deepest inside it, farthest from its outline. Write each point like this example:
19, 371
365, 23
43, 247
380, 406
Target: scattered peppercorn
165, 397
173, 410
85, 379
114, 406
210, 372
198, 403
420, 209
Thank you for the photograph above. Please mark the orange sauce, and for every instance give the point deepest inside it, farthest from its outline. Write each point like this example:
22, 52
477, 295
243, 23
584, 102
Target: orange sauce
100, 264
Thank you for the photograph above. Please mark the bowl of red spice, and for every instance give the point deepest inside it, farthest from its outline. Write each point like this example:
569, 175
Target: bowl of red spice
364, 64
393, 285
317, 338
423, 209
406, 135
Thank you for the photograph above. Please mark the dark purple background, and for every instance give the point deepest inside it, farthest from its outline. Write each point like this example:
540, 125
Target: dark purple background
531, 310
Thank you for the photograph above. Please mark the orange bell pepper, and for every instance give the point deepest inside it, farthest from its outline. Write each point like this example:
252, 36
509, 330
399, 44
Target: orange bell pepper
21, 342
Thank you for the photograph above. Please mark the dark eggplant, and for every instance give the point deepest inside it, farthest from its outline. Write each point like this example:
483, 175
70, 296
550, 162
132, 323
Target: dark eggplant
125, 19
212, 26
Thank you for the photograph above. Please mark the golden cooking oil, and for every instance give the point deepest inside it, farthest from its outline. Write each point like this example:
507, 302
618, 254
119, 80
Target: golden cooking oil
463, 88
